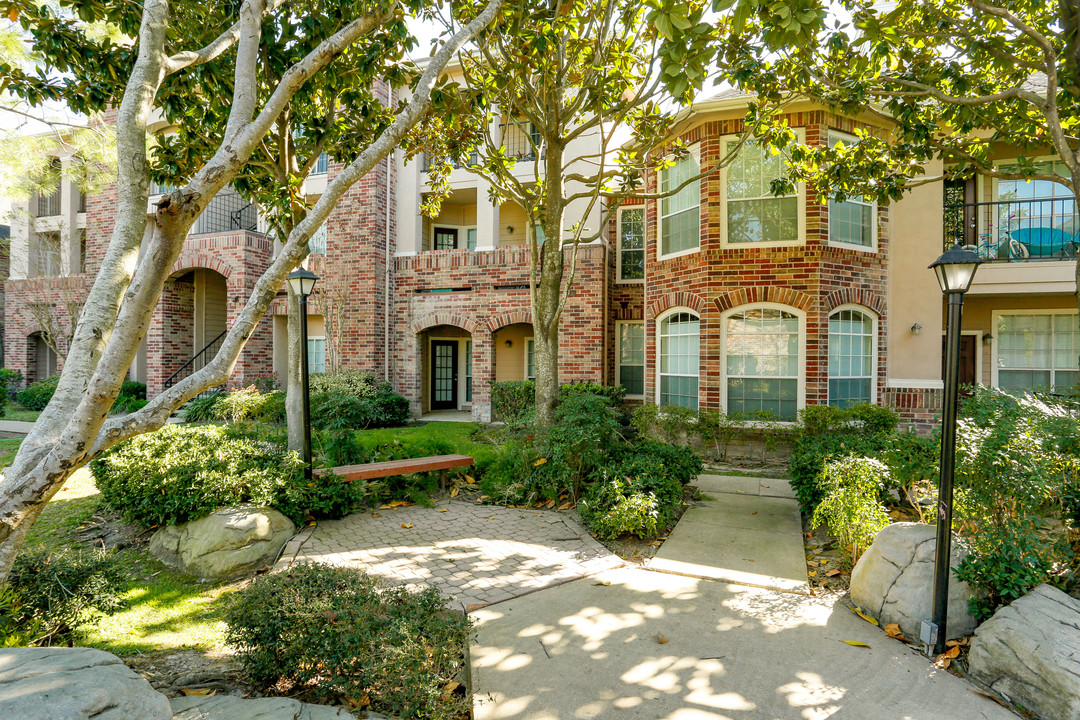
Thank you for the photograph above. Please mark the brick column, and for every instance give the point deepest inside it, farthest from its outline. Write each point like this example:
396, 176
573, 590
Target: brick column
483, 348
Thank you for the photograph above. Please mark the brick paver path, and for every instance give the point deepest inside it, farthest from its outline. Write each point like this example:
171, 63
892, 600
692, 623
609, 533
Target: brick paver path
474, 554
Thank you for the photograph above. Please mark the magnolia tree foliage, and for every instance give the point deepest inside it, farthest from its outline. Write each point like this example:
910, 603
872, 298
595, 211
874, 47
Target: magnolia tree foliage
955, 79
176, 52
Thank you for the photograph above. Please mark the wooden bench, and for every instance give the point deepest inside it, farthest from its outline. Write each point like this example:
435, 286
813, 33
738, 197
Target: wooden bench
390, 468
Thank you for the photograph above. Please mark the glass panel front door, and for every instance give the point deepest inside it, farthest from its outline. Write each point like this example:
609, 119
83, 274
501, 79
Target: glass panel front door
445, 238
444, 374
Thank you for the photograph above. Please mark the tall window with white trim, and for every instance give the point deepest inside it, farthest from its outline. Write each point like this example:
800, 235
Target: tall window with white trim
754, 214
631, 366
679, 336
851, 222
680, 224
316, 347
1037, 351
851, 358
632, 244
763, 363
530, 359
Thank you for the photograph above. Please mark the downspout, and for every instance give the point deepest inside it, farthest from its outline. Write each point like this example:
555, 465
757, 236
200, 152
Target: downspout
386, 278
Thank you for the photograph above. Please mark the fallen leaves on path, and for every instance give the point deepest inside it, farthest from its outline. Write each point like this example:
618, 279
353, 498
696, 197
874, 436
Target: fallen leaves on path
198, 692
893, 630
605, 583
444, 510
864, 616
856, 643
407, 526
662, 639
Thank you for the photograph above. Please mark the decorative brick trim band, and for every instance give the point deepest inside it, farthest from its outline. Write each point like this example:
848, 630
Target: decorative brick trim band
767, 293
673, 300
509, 318
855, 296
441, 318
201, 260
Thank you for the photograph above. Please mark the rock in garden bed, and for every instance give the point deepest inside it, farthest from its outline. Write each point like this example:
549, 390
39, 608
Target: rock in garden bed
229, 542
226, 707
894, 580
1029, 652
74, 683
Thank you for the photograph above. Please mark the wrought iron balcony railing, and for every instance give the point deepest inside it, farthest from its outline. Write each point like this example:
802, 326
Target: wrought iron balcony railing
1016, 230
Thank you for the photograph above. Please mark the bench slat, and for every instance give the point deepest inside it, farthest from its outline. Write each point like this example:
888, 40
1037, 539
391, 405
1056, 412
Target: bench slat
389, 468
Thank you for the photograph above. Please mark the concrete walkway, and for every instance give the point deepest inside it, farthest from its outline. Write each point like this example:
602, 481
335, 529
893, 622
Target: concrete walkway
16, 426
638, 644
474, 554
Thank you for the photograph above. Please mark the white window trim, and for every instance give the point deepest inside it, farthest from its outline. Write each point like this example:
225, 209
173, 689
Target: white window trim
529, 339
656, 330
323, 338
619, 279
848, 139
800, 195
800, 399
873, 348
695, 152
996, 314
462, 236
619, 325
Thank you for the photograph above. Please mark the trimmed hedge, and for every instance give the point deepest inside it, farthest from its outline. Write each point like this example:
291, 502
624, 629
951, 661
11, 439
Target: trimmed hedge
182, 473
37, 395
341, 411
358, 383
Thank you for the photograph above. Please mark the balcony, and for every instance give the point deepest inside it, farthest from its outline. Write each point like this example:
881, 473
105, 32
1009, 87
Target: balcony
520, 141
227, 212
47, 205
1015, 231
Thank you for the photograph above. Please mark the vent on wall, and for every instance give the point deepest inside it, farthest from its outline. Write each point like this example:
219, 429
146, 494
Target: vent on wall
443, 290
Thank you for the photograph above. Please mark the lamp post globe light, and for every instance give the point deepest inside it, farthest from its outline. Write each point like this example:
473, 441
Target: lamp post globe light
302, 282
955, 270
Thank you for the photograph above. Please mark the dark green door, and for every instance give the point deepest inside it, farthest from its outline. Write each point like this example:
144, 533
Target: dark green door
444, 375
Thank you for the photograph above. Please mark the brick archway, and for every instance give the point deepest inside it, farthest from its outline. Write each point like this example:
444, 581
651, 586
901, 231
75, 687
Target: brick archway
675, 299
509, 318
855, 296
768, 293
192, 261
442, 318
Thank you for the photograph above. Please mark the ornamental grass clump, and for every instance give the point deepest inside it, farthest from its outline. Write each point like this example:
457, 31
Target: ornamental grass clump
333, 633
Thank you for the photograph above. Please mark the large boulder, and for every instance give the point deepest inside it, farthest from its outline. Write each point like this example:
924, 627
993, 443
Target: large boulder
226, 707
1030, 652
74, 683
229, 542
894, 580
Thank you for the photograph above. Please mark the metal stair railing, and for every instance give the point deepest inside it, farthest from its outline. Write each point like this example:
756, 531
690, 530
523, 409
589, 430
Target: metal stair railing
196, 363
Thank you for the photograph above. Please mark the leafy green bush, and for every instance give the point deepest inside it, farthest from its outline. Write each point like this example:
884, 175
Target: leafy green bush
249, 404
680, 463
202, 409
514, 401
181, 473
61, 592
36, 396
811, 453
8, 379
357, 383
133, 388
672, 423
852, 503
17, 627
865, 418
342, 633
1015, 475
612, 508
913, 464
341, 411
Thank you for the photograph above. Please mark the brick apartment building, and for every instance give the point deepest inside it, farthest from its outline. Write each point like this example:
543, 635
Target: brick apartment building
721, 296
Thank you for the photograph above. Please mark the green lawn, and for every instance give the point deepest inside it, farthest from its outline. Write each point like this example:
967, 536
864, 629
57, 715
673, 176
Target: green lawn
15, 412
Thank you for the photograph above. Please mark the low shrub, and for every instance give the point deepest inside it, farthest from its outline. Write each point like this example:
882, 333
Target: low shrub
8, 380
865, 418
249, 404
613, 507
59, 593
133, 388
811, 453
37, 395
680, 463
357, 383
514, 401
202, 409
181, 473
852, 502
337, 632
342, 411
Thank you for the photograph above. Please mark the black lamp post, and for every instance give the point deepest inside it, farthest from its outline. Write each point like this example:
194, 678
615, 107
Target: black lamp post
302, 282
955, 270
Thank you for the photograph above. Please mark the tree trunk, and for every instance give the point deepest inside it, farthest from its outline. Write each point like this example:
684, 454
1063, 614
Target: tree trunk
294, 384
547, 295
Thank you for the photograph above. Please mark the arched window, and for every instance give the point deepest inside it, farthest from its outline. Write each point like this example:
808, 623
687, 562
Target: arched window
679, 342
763, 362
851, 358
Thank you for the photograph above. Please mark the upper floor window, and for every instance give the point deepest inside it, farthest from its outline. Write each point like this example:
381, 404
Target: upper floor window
851, 358
317, 243
1034, 218
1037, 351
49, 205
679, 336
321, 165
853, 221
45, 255
631, 250
754, 214
680, 224
762, 362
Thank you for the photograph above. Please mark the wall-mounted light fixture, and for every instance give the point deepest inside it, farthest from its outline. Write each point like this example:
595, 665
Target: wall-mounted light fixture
987, 337
510, 229
509, 343
916, 329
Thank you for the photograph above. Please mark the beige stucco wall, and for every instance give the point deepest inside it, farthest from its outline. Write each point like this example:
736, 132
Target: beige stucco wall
510, 361
916, 230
